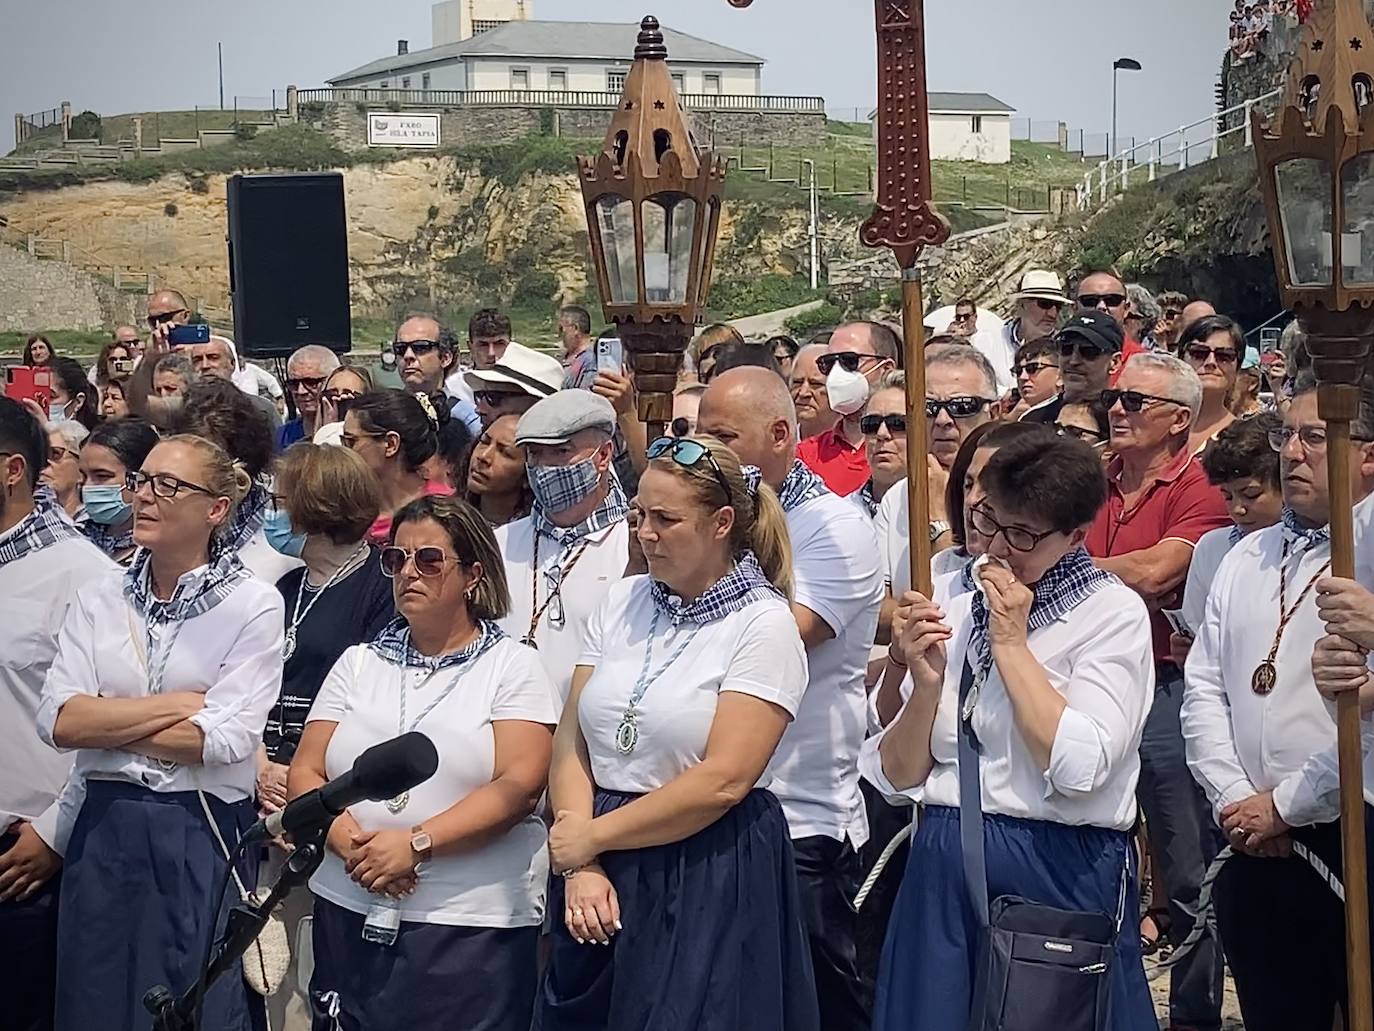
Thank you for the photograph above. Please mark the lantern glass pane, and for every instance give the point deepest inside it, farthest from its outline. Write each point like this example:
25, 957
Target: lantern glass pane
1357, 216
669, 221
615, 220
1304, 192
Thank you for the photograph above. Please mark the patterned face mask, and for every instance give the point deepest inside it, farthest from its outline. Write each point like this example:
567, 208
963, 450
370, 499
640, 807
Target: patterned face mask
558, 488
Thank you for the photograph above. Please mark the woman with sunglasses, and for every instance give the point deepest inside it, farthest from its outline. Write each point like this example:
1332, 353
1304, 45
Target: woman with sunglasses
396, 434
1058, 651
1087, 421
162, 684
784, 350
679, 907
112, 451
1213, 346
428, 905
497, 485
342, 387
884, 428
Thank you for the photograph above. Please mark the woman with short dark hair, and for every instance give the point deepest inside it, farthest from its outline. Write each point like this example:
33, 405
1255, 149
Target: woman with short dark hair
112, 451
397, 434
428, 905
1214, 346
1042, 666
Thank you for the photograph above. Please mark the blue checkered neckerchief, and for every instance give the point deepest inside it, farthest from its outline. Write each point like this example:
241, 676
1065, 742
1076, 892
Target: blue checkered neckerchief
393, 645
737, 589
1313, 537
195, 594
799, 486
104, 538
1235, 535
866, 498
966, 584
248, 517
47, 524
1061, 590
611, 511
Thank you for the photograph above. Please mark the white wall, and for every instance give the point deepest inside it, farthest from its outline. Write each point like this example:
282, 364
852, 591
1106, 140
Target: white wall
491, 73
450, 76
952, 138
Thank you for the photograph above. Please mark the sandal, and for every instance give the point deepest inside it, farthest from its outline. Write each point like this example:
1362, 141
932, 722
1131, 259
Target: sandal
1151, 944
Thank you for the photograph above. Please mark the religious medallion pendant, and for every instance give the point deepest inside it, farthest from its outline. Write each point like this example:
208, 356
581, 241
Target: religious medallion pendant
627, 734
1266, 676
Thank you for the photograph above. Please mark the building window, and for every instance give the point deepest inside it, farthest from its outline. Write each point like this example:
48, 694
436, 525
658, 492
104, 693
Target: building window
386, 84
480, 25
615, 82
710, 82
558, 80
679, 82
405, 82
977, 124
424, 81
519, 78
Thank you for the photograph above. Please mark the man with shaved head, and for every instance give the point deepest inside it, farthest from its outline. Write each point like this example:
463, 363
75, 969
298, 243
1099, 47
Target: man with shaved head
306, 370
839, 589
858, 356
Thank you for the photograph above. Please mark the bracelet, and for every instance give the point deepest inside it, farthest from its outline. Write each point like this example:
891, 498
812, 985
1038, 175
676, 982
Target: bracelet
568, 873
896, 662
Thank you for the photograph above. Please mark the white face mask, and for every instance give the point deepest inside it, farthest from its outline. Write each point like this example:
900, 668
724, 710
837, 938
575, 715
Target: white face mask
848, 391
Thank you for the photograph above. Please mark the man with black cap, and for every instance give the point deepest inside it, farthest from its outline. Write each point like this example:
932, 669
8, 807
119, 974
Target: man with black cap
563, 558
1090, 356
522, 377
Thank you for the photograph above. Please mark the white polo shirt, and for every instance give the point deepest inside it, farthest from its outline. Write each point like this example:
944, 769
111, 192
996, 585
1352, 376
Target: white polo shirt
585, 586
756, 651
36, 593
839, 577
498, 884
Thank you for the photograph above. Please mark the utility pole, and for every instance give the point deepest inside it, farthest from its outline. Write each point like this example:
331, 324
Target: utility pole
220, 48
814, 231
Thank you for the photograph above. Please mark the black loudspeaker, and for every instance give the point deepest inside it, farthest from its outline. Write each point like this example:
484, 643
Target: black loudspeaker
288, 263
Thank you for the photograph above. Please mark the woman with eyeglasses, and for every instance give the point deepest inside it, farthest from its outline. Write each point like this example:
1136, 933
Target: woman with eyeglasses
428, 905
497, 485
396, 434
784, 350
113, 450
342, 387
62, 474
1034, 678
679, 906
1213, 346
164, 676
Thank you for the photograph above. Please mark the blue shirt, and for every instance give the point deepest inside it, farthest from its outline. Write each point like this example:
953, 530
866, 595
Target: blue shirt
289, 433
466, 412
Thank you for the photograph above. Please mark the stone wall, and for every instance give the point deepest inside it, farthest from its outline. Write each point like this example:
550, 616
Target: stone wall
346, 122
36, 294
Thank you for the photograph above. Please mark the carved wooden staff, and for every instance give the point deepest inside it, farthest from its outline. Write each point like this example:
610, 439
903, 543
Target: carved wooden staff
905, 220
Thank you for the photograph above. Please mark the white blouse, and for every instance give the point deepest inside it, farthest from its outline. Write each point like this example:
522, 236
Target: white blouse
756, 651
499, 884
232, 654
1100, 658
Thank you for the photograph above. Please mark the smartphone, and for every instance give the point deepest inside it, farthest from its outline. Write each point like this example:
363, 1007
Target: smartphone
610, 355
1175, 618
29, 383
121, 367
184, 336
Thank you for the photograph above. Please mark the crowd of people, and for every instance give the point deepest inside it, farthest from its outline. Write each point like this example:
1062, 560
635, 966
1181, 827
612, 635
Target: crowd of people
682, 691
1252, 23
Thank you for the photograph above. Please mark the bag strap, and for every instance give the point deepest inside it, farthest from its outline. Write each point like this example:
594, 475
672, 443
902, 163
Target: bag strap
214, 829
971, 807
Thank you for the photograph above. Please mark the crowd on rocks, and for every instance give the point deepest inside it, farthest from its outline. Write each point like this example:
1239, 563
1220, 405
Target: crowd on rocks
684, 695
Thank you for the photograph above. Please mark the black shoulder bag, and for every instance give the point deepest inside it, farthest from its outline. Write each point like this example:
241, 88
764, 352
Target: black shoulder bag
1039, 968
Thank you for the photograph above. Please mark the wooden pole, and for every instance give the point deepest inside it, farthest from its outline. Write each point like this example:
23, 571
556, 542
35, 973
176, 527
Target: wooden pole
1338, 405
917, 443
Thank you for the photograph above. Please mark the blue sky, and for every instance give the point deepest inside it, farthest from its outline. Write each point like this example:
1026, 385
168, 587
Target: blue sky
1050, 59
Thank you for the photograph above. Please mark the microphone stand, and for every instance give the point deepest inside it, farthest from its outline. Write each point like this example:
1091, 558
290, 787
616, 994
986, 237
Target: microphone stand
246, 921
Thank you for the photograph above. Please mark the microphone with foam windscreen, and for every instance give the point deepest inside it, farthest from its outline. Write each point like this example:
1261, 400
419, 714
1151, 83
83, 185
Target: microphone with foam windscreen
383, 771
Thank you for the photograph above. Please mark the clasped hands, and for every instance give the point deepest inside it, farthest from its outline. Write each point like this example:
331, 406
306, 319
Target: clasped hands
591, 908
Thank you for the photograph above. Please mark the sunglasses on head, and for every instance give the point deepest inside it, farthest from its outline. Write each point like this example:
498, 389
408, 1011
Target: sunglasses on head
870, 424
955, 407
1134, 400
1201, 352
689, 454
847, 360
1101, 300
1087, 351
420, 347
1032, 368
429, 561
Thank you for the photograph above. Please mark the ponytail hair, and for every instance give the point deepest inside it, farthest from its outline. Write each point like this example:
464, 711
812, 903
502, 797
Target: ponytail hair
760, 524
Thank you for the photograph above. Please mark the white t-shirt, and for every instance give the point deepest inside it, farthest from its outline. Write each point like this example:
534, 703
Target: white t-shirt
756, 651
584, 588
502, 883
840, 578
1211, 548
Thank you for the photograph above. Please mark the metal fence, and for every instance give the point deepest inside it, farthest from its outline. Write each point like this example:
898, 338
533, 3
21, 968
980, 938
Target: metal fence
555, 98
28, 126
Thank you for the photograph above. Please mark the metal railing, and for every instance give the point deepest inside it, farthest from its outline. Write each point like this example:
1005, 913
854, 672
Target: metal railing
1114, 175
555, 98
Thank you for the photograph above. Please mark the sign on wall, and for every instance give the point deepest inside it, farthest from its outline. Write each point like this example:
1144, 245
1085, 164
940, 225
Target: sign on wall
400, 129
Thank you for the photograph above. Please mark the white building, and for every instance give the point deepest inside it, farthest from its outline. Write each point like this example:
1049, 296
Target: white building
968, 127
555, 56
457, 20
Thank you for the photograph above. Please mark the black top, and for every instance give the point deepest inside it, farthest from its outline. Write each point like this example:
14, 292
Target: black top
351, 612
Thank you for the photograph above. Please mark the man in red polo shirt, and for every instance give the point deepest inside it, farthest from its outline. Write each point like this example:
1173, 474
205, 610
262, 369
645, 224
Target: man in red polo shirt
856, 359
1159, 504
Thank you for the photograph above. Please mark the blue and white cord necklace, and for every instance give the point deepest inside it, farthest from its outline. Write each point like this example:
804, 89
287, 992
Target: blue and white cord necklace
627, 734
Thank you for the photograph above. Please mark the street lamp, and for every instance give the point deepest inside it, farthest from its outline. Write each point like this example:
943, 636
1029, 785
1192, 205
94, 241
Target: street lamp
1316, 162
1121, 64
653, 206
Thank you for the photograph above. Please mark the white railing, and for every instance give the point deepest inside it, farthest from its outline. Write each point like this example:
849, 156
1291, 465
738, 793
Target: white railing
1168, 153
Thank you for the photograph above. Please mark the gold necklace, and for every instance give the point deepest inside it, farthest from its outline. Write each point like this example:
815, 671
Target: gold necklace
1266, 674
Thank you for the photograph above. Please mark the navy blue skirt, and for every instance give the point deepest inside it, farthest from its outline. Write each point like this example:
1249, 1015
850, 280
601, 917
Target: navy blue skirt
926, 979
136, 885
713, 935
434, 977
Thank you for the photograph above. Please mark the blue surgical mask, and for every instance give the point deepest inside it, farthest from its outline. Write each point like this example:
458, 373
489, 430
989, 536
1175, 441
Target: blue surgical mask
57, 412
105, 504
558, 488
277, 528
